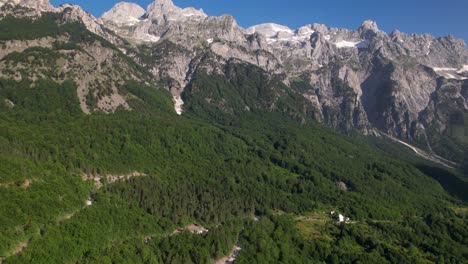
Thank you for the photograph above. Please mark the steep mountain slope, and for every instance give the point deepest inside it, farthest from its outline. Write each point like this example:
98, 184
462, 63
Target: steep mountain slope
352, 79
45, 49
348, 79
245, 161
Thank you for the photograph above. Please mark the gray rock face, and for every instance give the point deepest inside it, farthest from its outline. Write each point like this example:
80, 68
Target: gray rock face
358, 79
163, 11
409, 86
39, 5
74, 13
163, 20
124, 13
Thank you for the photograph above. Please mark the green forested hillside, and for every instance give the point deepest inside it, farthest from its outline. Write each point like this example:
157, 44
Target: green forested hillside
220, 171
215, 175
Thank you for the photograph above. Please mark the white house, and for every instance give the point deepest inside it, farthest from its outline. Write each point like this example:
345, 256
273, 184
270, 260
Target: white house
341, 218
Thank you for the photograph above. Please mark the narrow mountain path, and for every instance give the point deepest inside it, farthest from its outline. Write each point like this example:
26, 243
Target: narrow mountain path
22, 245
421, 153
26, 184
110, 179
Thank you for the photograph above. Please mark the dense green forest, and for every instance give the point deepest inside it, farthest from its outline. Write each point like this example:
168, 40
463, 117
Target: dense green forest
262, 180
218, 176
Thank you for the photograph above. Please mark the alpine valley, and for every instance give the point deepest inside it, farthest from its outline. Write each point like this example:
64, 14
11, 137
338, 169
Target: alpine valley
167, 135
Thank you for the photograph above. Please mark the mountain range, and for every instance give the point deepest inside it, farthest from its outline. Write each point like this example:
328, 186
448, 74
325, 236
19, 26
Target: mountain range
166, 135
411, 87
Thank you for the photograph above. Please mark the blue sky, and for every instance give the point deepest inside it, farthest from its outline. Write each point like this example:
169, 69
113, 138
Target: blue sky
439, 18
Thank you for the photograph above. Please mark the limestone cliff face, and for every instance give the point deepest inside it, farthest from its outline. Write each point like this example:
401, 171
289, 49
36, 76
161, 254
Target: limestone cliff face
124, 13
409, 86
352, 79
38, 5
74, 13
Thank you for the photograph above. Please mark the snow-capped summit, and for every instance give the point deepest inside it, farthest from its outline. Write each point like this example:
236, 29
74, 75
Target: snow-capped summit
124, 13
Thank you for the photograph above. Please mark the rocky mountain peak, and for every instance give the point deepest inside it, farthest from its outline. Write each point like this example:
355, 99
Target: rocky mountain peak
369, 29
385, 81
124, 13
396, 33
397, 36
166, 10
74, 13
321, 28
39, 5
369, 25
163, 3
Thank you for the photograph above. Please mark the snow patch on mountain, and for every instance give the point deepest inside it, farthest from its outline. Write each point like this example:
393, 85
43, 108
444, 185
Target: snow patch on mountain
452, 73
463, 69
305, 31
269, 29
444, 69
352, 44
150, 38
279, 33
178, 104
